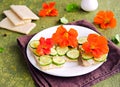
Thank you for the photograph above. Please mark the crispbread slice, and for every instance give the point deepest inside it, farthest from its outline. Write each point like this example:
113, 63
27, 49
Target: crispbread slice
25, 29
24, 12
14, 18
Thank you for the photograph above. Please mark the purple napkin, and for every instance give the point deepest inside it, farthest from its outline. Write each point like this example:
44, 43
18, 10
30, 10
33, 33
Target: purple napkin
109, 68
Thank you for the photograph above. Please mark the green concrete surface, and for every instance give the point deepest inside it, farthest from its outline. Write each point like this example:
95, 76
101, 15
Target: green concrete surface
13, 69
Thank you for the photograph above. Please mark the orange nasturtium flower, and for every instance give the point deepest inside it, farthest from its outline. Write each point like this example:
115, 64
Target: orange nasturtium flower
105, 19
45, 46
48, 10
96, 45
64, 38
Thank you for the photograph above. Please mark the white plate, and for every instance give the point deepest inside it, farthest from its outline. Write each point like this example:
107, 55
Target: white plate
70, 69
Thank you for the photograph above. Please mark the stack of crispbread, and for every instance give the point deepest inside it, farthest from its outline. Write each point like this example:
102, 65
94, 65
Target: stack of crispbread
18, 19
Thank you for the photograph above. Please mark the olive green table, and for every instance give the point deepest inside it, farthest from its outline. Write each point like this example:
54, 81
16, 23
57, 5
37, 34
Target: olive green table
13, 69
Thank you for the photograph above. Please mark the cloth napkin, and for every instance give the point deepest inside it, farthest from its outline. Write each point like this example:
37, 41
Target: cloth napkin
109, 68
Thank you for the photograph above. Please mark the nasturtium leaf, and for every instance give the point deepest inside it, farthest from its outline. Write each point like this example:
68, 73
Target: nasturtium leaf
1, 49
72, 7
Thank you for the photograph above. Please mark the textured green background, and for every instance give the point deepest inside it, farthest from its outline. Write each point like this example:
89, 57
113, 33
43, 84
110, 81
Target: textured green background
13, 69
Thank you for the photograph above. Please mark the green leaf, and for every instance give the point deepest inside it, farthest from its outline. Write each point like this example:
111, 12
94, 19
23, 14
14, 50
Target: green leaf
1, 49
116, 39
72, 7
63, 20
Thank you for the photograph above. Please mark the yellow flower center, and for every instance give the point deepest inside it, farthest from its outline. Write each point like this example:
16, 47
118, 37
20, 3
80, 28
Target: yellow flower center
92, 47
66, 34
107, 21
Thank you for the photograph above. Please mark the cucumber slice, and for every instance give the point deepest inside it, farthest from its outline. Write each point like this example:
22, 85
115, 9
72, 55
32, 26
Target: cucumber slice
58, 60
34, 44
73, 54
45, 60
62, 50
63, 20
35, 53
116, 39
81, 40
87, 56
101, 59
53, 52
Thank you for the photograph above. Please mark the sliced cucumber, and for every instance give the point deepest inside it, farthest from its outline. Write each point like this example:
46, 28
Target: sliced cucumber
63, 20
34, 44
73, 54
62, 50
35, 53
116, 39
45, 60
58, 60
81, 40
87, 56
53, 52
101, 59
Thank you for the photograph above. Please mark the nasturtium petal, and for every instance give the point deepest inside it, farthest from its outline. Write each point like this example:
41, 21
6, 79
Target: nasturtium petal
48, 10
96, 45
105, 19
64, 37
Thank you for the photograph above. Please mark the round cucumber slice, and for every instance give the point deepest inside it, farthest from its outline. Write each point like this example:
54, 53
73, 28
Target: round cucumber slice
101, 59
63, 20
45, 60
81, 40
34, 44
73, 54
87, 56
53, 52
62, 50
35, 53
117, 37
58, 60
